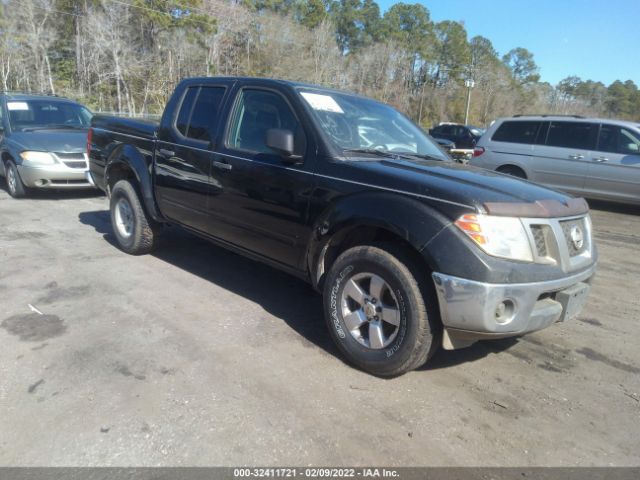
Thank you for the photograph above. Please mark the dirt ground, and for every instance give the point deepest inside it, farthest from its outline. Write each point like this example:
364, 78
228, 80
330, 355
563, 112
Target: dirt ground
196, 356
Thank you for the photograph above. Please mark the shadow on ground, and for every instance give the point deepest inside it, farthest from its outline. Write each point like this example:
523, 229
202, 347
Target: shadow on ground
280, 294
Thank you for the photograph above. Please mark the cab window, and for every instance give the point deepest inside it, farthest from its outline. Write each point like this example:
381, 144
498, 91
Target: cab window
182, 120
256, 112
198, 112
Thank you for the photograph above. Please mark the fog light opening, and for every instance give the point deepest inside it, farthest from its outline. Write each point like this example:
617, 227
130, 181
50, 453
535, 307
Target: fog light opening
505, 311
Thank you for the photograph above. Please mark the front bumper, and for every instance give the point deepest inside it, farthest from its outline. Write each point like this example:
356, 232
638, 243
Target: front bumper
471, 310
53, 176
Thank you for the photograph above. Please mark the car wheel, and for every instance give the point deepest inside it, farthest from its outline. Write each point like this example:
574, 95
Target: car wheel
513, 171
14, 183
135, 231
374, 299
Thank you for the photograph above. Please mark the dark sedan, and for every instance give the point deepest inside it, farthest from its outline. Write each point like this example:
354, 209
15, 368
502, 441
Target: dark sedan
464, 136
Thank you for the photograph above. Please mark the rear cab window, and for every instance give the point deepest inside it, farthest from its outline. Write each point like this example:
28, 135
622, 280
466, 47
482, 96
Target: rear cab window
199, 112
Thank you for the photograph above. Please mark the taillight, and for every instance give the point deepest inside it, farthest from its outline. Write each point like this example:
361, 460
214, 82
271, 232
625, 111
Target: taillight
89, 140
478, 151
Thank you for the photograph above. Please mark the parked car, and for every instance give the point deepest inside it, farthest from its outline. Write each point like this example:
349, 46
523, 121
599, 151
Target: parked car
410, 249
583, 156
465, 137
42, 143
447, 145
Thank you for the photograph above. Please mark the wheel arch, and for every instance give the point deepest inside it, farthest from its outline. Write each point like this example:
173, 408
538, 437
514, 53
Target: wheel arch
127, 162
512, 165
371, 218
4, 156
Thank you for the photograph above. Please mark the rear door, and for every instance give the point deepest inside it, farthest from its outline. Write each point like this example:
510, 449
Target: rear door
510, 144
463, 137
443, 131
562, 158
614, 169
183, 157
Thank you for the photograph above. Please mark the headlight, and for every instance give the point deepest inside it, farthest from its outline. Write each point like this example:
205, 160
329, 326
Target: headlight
37, 157
498, 236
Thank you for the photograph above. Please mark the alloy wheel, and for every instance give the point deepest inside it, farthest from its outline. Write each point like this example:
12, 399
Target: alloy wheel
370, 310
124, 218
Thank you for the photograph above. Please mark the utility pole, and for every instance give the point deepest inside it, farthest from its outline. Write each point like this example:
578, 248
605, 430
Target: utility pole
469, 84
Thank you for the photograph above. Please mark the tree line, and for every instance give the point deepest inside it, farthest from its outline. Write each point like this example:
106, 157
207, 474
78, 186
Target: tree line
127, 55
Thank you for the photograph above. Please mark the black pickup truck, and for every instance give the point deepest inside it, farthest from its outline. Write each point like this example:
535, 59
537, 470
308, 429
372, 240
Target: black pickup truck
410, 249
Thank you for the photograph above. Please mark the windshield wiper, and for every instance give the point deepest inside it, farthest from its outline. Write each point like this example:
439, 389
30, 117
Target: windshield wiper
424, 156
396, 155
371, 151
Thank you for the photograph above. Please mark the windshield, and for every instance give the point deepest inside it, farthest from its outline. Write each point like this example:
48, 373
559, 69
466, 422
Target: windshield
359, 124
477, 131
39, 114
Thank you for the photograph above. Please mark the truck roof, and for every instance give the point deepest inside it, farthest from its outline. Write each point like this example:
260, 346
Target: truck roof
266, 81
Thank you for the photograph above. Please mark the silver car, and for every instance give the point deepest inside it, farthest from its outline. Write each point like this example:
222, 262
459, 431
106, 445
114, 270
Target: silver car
588, 157
43, 143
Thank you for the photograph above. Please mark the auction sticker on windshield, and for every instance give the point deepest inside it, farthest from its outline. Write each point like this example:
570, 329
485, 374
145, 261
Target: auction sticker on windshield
17, 106
325, 103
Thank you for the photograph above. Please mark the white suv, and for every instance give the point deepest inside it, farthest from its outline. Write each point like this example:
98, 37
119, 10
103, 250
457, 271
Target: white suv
584, 156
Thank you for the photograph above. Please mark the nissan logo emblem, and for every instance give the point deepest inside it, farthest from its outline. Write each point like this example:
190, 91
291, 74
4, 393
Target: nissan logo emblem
577, 237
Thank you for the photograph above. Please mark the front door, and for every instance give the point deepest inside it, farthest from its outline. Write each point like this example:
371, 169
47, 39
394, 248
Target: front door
262, 199
183, 158
563, 159
614, 169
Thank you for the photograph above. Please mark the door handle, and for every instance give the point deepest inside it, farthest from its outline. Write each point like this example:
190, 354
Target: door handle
167, 153
576, 157
222, 165
600, 159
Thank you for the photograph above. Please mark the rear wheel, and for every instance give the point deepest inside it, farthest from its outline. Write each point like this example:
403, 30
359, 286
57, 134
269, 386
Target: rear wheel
135, 231
14, 183
513, 171
376, 312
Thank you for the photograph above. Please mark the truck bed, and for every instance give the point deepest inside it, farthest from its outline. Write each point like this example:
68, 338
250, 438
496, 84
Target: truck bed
126, 125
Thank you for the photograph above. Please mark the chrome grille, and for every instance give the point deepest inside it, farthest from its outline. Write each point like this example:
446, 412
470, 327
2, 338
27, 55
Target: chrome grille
78, 164
72, 160
567, 227
551, 242
538, 237
70, 156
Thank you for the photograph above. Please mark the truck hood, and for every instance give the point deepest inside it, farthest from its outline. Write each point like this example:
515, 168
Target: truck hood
54, 140
483, 190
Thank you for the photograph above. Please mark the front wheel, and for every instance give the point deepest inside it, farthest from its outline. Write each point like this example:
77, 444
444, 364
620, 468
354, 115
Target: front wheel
14, 182
135, 231
374, 298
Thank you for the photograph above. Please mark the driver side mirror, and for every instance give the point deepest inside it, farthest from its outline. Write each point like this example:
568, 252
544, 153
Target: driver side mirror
281, 141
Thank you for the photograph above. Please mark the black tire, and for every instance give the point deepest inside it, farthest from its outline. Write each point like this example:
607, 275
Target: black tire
15, 187
143, 231
513, 171
418, 334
